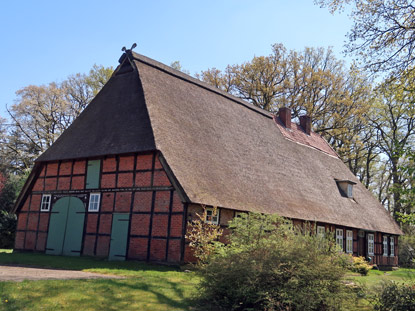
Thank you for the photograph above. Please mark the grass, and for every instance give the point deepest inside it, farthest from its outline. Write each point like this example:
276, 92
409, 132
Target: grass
374, 280
146, 286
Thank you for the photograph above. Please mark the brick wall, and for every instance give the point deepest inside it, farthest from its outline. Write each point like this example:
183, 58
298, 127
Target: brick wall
133, 184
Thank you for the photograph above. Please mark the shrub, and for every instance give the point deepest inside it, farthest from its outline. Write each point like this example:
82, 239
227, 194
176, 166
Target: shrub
360, 265
407, 250
8, 224
203, 236
270, 265
396, 297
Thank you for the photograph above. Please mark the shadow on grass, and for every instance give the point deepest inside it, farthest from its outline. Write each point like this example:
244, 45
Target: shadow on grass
129, 294
77, 263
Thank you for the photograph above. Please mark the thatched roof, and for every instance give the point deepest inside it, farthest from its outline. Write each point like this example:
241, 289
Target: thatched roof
223, 151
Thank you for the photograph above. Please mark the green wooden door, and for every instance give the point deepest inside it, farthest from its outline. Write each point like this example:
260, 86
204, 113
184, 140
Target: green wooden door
119, 236
57, 227
74, 228
92, 174
66, 227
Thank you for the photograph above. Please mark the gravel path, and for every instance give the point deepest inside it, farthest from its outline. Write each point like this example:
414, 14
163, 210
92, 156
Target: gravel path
19, 273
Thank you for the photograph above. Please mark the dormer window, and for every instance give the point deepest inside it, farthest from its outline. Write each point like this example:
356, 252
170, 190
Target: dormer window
350, 191
346, 187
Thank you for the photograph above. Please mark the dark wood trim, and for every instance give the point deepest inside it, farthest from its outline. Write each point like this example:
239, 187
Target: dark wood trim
184, 228
129, 189
150, 229
173, 180
127, 250
169, 225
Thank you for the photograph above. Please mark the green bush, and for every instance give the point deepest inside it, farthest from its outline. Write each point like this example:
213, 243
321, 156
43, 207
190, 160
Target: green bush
270, 265
396, 297
360, 265
8, 224
407, 250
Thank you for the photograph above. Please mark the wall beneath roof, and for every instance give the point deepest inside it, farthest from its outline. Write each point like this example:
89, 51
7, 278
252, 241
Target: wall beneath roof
134, 184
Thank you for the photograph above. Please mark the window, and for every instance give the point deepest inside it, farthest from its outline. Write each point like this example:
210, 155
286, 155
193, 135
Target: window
385, 245
350, 191
392, 243
349, 241
339, 238
212, 215
45, 205
94, 202
345, 187
321, 231
370, 244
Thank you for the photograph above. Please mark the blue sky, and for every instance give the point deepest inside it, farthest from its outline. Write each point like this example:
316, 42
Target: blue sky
45, 41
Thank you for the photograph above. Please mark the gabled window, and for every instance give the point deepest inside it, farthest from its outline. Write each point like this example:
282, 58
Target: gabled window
346, 187
385, 245
321, 231
392, 244
370, 244
339, 238
212, 215
45, 204
349, 241
94, 202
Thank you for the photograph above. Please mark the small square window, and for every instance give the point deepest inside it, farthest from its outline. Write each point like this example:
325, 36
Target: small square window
94, 202
321, 231
211, 216
45, 205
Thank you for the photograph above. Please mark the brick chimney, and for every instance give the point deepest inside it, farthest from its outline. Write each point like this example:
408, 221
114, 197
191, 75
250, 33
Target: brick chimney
305, 122
285, 116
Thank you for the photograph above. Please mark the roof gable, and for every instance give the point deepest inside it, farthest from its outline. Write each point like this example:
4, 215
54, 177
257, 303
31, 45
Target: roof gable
116, 121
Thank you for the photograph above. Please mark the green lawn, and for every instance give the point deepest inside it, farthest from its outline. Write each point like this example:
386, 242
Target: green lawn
146, 287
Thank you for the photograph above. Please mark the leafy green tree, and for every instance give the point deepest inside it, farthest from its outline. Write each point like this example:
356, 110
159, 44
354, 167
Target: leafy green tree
394, 121
383, 33
42, 113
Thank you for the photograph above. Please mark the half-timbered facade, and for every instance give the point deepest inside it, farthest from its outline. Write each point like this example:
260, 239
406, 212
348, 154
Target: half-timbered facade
156, 145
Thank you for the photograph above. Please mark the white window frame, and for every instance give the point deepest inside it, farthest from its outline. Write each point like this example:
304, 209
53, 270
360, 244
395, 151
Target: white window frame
45, 203
392, 246
371, 244
385, 245
93, 205
210, 217
349, 190
349, 241
321, 231
339, 238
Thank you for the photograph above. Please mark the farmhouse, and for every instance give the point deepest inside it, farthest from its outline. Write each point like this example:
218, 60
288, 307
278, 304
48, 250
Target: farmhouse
156, 144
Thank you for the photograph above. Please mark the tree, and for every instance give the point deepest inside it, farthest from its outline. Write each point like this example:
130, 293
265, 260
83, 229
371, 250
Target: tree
42, 113
383, 33
176, 65
394, 121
